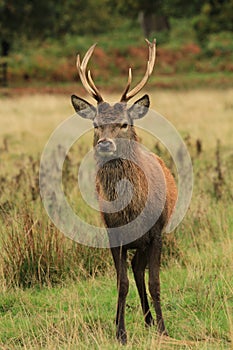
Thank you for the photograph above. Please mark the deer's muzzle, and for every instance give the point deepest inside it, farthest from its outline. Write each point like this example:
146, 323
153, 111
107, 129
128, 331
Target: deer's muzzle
106, 147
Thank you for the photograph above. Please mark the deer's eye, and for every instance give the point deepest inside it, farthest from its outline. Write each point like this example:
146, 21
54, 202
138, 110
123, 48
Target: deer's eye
124, 126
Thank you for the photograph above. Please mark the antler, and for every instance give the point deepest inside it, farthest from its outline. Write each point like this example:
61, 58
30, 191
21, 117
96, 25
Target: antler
150, 65
85, 77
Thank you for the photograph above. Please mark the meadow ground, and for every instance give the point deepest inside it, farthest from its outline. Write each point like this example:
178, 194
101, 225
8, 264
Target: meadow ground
55, 294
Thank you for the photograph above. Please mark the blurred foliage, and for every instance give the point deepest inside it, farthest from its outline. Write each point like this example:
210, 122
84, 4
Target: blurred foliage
215, 16
219, 43
43, 19
174, 8
49, 18
38, 33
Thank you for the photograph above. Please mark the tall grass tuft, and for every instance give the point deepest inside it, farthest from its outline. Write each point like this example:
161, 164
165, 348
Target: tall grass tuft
35, 253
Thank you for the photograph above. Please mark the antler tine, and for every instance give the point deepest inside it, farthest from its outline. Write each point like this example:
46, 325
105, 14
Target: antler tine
152, 54
87, 57
150, 65
92, 84
87, 81
83, 78
123, 98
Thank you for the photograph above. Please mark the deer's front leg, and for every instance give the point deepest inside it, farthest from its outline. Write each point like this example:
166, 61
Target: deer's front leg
119, 256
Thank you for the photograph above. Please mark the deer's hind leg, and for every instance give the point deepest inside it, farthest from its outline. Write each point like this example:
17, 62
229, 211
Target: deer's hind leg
139, 263
154, 257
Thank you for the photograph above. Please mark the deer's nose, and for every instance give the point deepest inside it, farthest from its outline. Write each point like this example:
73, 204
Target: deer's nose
105, 144
106, 147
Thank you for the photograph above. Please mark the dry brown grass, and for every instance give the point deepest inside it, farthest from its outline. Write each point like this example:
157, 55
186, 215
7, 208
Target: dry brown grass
204, 114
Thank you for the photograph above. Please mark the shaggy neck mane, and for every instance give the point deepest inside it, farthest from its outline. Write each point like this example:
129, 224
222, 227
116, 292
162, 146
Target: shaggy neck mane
115, 170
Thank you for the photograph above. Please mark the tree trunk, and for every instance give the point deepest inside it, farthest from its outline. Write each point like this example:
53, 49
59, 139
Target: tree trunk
150, 22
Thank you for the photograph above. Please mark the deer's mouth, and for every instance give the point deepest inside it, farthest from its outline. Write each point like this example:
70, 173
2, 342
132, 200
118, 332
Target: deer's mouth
106, 148
105, 153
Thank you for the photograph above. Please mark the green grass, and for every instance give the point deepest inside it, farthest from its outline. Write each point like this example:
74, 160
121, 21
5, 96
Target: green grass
55, 294
196, 308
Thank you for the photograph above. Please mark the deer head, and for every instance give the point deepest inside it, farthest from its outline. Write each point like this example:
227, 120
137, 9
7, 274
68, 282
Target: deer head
112, 122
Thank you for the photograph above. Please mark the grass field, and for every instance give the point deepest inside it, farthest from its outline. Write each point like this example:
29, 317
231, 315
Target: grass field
55, 294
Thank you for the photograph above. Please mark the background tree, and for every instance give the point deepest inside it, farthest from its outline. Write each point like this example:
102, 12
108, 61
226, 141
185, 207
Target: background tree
49, 19
215, 16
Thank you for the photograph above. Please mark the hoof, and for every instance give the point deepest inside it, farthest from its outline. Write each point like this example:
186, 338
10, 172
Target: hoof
161, 329
149, 321
164, 333
121, 336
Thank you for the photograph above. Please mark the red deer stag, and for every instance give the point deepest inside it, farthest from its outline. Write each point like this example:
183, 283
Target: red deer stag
113, 123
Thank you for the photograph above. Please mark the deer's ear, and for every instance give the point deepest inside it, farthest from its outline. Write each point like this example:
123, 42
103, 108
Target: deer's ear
139, 108
83, 108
